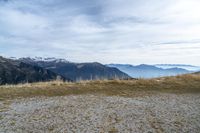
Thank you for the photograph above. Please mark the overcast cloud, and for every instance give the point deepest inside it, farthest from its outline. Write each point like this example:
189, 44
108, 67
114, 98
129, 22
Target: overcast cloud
107, 31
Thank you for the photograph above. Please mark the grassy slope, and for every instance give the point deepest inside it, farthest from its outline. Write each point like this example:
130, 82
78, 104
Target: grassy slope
129, 88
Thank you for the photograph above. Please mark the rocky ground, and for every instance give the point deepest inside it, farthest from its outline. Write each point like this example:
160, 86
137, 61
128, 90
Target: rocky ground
102, 114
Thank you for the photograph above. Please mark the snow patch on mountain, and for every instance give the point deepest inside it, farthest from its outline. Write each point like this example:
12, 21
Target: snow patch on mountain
43, 59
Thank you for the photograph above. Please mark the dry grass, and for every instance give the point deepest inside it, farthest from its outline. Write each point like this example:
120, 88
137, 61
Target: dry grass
178, 84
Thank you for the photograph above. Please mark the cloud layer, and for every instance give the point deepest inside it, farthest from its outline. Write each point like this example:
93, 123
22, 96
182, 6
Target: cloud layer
118, 31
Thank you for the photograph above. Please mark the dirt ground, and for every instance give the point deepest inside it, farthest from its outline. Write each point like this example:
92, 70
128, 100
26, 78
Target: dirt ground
157, 113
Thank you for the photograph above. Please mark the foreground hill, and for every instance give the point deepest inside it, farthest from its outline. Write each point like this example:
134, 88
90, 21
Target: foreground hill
148, 71
13, 72
77, 71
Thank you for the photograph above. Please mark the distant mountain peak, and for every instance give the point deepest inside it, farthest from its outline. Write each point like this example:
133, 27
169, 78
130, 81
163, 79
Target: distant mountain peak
149, 71
145, 66
175, 65
183, 66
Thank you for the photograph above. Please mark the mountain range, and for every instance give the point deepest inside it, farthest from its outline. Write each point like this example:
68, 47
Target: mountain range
77, 71
149, 71
22, 70
186, 67
14, 71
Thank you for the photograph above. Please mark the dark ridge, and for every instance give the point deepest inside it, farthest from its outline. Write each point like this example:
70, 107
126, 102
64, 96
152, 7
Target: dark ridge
14, 72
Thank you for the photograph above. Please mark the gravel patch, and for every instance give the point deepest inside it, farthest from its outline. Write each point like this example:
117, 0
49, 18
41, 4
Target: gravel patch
103, 114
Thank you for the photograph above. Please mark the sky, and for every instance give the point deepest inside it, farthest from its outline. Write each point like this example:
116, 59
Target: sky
106, 31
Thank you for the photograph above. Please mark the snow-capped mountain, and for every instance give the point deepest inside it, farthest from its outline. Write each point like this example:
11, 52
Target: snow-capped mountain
15, 71
44, 59
76, 71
